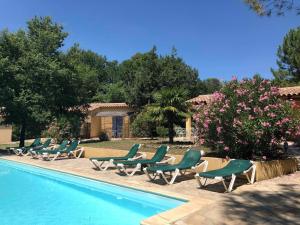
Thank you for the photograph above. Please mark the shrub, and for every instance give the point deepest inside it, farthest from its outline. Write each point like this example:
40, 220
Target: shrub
103, 136
246, 119
162, 131
143, 125
64, 128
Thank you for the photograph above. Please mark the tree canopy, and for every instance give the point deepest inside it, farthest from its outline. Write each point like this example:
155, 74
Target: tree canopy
146, 73
36, 83
289, 58
169, 108
270, 7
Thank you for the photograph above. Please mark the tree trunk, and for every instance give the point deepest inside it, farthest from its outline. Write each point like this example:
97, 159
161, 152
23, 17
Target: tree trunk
22, 134
171, 132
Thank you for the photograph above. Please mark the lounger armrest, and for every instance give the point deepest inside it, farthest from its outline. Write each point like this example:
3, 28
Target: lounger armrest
167, 160
204, 163
248, 170
80, 150
138, 156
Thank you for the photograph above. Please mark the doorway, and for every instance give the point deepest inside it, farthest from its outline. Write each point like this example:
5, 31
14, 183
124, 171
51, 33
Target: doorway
117, 126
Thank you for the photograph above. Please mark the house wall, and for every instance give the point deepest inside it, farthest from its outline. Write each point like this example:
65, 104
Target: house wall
5, 134
104, 124
95, 126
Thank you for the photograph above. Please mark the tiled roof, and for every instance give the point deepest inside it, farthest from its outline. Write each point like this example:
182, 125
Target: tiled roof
286, 91
97, 105
201, 98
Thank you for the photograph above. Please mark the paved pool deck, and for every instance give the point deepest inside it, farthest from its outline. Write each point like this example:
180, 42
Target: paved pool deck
275, 201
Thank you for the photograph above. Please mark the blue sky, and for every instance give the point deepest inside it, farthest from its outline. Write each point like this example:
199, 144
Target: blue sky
220, 38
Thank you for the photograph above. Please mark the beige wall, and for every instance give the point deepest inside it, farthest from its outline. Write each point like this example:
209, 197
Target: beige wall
104, 124
188, 127
5, 134
95, 126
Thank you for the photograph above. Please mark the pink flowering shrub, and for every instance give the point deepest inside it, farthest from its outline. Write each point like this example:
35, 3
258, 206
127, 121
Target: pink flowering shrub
246, 119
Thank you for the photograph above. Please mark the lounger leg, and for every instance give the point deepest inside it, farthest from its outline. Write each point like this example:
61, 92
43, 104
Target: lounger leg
122, 168
138, 167
177, 171
198, 178
205, 166
231, 183
17, 151
149, 175
182, 172
80, 153
46, 156
56, 156
95, 163
33, 154
108, 164
224, 184
253, 174
251, 180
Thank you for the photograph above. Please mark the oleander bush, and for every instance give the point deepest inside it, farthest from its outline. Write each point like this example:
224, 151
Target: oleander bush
247, 119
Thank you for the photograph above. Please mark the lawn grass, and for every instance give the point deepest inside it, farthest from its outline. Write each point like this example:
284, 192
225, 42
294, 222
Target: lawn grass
13, 145
148, 145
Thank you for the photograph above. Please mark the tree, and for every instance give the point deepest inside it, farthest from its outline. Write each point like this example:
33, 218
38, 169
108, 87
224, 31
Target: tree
170, 108
289, 58
146, 73
141, 78
211, 85
269, 7
37, 84
95, 71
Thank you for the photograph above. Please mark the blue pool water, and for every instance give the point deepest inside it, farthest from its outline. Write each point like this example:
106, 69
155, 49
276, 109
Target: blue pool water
35, 196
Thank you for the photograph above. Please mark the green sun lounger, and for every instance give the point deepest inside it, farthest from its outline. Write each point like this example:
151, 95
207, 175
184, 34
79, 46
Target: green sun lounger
140, 163
46, 144
70, 151
133, 154
232, 169
35, 152
190, 160
22, 151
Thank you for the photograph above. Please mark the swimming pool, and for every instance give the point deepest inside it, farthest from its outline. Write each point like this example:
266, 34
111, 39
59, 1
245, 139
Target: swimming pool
36, 196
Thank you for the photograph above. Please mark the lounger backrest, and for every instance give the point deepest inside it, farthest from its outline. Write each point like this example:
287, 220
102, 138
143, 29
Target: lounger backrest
36, 142
190, 158
63, 145
47, 143
134, 149
73, 146
239, 165
160, 153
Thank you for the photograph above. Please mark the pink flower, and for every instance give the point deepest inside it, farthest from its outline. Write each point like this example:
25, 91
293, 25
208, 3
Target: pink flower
219, 129
226, 148
265, 124
263, 98
272, 115
218, 96
234, 78
201, 141
256, 110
